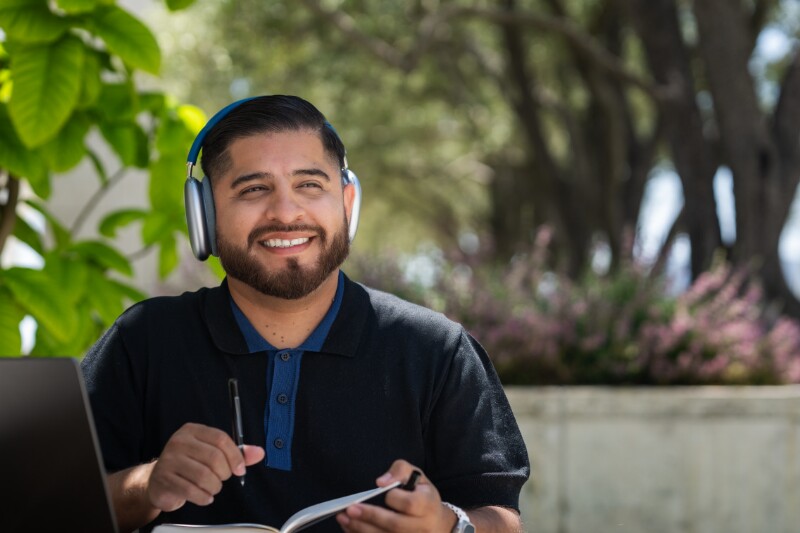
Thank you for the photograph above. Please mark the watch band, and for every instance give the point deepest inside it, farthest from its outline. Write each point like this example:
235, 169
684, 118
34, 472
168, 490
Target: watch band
463, 525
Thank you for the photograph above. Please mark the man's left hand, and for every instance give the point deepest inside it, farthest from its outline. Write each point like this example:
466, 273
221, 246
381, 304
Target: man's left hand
417, 511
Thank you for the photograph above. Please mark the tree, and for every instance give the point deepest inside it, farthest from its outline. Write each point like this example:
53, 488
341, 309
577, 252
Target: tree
571, 104
67, 69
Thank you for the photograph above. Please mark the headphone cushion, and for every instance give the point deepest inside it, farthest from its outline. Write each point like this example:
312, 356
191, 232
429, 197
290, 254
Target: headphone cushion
210, 215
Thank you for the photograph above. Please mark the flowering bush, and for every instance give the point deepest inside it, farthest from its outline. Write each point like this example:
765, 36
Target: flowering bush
622, 328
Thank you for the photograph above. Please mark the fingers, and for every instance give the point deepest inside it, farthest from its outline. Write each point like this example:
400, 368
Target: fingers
253, 454
419, 502
419, 510
364, 518
193, 465
399, 471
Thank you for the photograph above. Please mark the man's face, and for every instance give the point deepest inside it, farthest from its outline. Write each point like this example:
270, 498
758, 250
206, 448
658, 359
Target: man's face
281, 213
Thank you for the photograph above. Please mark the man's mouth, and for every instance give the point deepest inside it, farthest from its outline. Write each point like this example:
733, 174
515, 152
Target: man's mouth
284, 243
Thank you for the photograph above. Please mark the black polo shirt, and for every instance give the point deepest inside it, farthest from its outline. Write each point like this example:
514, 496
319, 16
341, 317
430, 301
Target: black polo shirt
393, 381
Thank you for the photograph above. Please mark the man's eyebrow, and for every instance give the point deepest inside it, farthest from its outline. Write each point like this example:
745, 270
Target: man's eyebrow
311, 172
250, 177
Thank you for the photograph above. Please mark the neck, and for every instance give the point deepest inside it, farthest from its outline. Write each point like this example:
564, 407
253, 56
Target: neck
284, 323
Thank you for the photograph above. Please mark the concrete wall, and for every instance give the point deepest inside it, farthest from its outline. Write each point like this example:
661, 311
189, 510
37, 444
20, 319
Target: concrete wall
705, 460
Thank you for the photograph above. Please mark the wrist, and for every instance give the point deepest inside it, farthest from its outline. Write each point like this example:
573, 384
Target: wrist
130, 497
462, 523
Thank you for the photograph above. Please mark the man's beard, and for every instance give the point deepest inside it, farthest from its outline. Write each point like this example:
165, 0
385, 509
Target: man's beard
293, 281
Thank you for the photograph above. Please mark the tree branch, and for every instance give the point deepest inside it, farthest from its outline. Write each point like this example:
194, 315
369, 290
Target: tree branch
95, 199
786, 122
758, 17
8, 213
428, 28
663, 253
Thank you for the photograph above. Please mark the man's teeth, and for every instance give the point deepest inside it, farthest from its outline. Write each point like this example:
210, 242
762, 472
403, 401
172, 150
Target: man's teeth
284, 243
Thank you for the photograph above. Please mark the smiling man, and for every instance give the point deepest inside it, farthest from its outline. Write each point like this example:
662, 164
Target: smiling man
342, 386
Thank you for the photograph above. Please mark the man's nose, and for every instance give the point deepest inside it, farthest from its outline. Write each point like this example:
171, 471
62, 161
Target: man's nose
283, 206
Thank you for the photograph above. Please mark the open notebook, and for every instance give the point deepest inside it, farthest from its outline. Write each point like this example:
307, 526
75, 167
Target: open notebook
52, 473
300, 520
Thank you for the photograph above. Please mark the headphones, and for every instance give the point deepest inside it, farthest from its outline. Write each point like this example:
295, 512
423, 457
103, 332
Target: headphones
199, 199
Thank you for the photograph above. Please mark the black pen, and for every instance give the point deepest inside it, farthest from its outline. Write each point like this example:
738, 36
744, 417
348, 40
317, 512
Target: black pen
412, 481
236, 417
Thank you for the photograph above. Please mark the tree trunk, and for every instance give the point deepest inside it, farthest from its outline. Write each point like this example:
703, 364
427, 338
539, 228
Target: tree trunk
657, 25
763, 160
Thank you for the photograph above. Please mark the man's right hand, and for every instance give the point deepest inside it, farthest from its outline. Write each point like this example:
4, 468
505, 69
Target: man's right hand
193, 465
191, 468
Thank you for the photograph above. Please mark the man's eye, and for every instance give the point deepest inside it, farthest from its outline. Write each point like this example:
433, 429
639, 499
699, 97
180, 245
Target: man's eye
255, 188
310, 184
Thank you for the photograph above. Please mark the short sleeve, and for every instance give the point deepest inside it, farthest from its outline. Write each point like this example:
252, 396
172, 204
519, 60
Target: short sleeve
477, 456
115, 397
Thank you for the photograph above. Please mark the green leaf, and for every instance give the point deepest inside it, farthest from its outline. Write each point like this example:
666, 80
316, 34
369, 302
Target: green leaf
47, 84
83, 335
19, 160
127, 291
107, 300
11, 314
128, 141
216, 267
193, 118
77, 6
103, 255
92, 83
167, 178
26, 234
167, 256
60, 233
157, 226
128, 38
40, 183
152, 101
175, 5
43, 299
173, 135
67, 149
117, 102
98, 166
70, 275
118, 219
31, 22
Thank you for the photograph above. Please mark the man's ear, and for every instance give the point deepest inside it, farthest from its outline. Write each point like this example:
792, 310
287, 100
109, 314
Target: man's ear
349, 195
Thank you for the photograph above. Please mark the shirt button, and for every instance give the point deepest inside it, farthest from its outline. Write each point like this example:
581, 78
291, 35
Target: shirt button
282, 398
285, 356
278, 443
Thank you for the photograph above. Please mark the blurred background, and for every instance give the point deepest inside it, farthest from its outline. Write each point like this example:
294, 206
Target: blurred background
603, 191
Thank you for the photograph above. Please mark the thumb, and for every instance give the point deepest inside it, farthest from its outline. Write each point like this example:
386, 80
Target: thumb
252, 454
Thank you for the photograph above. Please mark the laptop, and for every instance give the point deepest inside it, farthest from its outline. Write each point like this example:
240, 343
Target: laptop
50, 462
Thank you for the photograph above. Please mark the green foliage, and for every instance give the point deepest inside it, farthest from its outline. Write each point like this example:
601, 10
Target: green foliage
413, 138
67, 68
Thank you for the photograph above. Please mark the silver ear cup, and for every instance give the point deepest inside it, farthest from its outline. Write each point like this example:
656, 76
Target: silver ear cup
349, 178
210, 212
195, 219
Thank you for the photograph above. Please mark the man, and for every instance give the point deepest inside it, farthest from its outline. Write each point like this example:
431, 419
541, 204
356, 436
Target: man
341, 386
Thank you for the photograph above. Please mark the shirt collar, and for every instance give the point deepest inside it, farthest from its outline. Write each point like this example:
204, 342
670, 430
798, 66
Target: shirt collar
342, 339
313, 343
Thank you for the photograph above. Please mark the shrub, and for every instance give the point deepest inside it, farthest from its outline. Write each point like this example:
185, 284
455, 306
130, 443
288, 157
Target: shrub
621, 328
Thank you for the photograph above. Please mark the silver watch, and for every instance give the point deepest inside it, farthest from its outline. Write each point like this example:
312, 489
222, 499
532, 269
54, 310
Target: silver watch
463, 525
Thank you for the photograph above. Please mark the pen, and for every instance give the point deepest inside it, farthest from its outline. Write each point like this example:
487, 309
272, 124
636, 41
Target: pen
412, 480
236, 418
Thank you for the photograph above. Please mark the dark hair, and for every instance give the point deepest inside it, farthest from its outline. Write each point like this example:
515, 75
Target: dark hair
267, 114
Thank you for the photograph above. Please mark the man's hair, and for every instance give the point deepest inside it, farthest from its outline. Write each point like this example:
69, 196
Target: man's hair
266, 114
